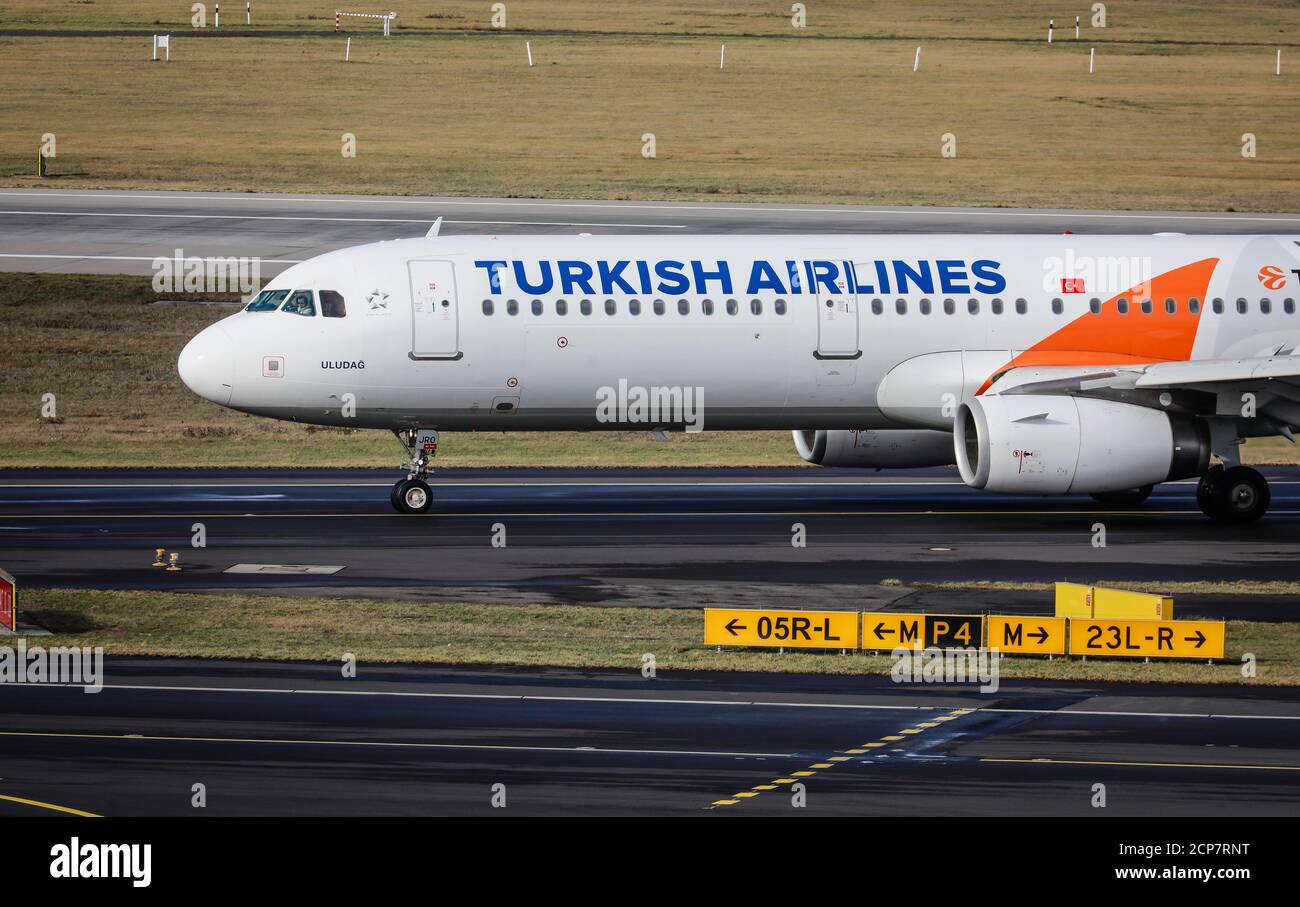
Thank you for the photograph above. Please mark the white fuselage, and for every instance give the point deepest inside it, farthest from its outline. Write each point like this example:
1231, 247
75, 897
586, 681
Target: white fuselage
778, 332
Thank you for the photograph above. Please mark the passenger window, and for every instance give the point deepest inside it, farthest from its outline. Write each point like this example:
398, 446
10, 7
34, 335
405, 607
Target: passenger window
1288, 306
877, 307
683, 307
973, 306
585, 307
1242, 306
634, 307
1057, 307
1265, 306
1021, 307
707, 306
1094, 306
732, 307
1122, 306
660, 308
267, 301
925, 307
997, 306
561, 307
1171, 306
779, 306
611, 307
1217, 305
487, 307
756, 306
949, 307
1194, 305
1146, 307
900, 306
332, 305
300, 303
512, 307
537, 307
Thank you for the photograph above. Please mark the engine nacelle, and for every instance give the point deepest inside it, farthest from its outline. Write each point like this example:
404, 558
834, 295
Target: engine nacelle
1056, 444
867, 449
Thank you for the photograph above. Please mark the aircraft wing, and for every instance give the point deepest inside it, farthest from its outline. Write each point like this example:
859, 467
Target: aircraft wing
1260, 393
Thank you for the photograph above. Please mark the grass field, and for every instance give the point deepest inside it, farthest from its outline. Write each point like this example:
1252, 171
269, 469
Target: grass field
1208, 22
240, 626
107, 350
818, 114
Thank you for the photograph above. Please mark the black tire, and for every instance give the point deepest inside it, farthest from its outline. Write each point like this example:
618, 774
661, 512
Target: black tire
1243, 495
411, 496
1131, 497
1208, 496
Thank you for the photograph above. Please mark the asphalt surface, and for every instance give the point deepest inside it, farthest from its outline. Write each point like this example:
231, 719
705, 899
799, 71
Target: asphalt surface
269, 738
97, 231
657, 538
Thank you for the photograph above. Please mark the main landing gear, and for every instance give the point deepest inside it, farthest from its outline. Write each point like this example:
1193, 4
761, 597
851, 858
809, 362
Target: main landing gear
412, 494
1237, 494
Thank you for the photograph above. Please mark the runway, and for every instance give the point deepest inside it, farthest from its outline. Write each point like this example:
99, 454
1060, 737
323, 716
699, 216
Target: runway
655, 538
102, 231
267, 738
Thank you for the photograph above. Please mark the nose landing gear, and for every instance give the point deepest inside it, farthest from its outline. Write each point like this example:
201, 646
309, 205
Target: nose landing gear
1237, 494
412, 494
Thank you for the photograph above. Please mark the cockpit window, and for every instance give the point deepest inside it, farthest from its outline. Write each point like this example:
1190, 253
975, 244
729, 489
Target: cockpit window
332, 305
300, 303
267, 301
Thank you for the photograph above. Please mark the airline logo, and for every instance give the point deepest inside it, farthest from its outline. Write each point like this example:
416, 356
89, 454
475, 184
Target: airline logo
1272, 277
669, 277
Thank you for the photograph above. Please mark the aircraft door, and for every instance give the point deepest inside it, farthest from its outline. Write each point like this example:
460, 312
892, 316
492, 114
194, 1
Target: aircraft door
837, 321
435, 328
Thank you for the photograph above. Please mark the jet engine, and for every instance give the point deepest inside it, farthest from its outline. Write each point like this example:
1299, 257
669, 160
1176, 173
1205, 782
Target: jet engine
1057, 444
890, 449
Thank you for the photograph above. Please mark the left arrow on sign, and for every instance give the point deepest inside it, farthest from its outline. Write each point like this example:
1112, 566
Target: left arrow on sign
732, 627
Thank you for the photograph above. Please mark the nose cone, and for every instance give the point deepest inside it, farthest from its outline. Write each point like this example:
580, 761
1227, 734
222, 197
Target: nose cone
207, 365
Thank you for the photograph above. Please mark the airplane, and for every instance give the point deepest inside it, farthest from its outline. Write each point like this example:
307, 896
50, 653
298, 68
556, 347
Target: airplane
1040, 365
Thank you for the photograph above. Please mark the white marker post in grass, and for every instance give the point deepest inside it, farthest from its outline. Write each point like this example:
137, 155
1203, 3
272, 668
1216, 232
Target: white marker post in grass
528, 45
1277, 70
248, 13
1051, 24
1092, 58
347, 51
916, 64
162, 42
217, 19
1076, 28
722, 60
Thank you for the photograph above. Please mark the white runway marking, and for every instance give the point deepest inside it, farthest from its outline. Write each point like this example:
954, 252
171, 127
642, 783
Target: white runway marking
344, 220
274, 261
971, 709
682, 208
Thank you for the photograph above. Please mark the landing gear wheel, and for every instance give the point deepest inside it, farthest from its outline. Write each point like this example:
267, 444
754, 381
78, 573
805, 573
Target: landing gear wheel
1236, 495
1131, 497
412, 496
